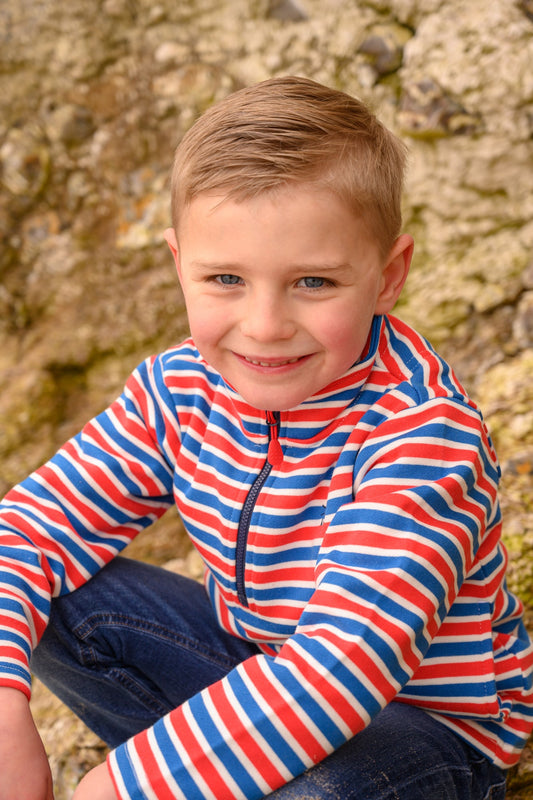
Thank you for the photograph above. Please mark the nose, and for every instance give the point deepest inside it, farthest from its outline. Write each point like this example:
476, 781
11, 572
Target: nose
267, 318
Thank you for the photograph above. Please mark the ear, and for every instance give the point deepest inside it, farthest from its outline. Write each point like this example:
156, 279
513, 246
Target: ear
395, 273
171, 240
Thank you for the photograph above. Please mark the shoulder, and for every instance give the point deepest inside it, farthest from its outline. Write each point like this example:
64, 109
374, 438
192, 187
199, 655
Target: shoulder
180, 356
174, 379
422, 417
418, 370
179, 368
413, 388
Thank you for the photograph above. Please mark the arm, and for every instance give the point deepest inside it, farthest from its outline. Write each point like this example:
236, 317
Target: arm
24, 768
69, 518
96, 785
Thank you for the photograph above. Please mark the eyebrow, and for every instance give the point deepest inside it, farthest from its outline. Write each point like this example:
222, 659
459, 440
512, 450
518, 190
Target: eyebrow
300, 269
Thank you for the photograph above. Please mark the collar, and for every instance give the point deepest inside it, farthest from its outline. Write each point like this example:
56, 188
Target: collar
314, 417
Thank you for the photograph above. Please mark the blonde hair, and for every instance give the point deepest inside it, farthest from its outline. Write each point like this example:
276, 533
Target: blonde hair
287, 130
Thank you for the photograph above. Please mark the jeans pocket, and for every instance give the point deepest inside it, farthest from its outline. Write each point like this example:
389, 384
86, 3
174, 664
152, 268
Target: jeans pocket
496, 791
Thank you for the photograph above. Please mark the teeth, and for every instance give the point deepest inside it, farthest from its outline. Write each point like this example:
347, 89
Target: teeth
272, 363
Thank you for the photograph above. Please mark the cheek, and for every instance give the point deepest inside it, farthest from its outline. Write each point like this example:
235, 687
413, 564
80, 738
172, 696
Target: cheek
206, 325
346, 334
342, 328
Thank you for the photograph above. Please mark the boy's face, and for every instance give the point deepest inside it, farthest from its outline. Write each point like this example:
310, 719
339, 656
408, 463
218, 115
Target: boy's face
281, 290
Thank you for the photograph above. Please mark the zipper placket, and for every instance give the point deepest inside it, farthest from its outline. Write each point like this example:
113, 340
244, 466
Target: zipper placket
272, 419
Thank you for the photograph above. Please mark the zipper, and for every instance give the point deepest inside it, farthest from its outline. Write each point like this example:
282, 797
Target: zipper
273, 459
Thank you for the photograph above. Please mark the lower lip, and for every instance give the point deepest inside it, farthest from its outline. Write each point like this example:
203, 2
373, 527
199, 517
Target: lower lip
273, 369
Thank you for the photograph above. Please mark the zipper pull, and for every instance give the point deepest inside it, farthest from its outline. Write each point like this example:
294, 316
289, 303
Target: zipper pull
275, 453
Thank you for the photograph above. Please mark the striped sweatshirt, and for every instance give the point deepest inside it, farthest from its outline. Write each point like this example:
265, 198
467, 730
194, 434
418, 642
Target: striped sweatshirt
355, 539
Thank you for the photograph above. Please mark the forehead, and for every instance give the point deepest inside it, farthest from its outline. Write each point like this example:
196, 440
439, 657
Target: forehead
248, 190
309, 199
294, 226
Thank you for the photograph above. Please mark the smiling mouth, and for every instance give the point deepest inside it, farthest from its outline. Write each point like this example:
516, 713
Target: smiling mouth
272, 363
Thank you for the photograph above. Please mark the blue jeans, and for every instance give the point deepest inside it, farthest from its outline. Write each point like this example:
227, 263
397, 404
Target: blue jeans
137, 641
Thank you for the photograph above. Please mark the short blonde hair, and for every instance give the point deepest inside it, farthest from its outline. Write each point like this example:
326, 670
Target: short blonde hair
290, 129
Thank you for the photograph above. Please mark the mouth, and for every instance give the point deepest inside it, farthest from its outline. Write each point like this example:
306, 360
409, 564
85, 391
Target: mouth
271, 362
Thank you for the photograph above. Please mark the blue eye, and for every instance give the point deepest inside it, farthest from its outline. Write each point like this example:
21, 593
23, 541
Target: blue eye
313, 283
228, 280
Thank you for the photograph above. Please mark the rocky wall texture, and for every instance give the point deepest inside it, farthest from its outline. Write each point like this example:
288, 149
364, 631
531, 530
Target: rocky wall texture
94, 96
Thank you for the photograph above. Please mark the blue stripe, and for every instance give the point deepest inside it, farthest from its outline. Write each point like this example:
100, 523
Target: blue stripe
268, 729
236, 769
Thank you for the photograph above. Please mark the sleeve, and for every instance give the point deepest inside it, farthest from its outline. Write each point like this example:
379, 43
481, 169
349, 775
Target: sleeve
71, 516
390, 566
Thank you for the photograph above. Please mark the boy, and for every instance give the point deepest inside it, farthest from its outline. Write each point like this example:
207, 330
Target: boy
355, 637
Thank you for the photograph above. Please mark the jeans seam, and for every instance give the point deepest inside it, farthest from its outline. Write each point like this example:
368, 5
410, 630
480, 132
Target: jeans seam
493, 788
84, 630
152, 703
393, 793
